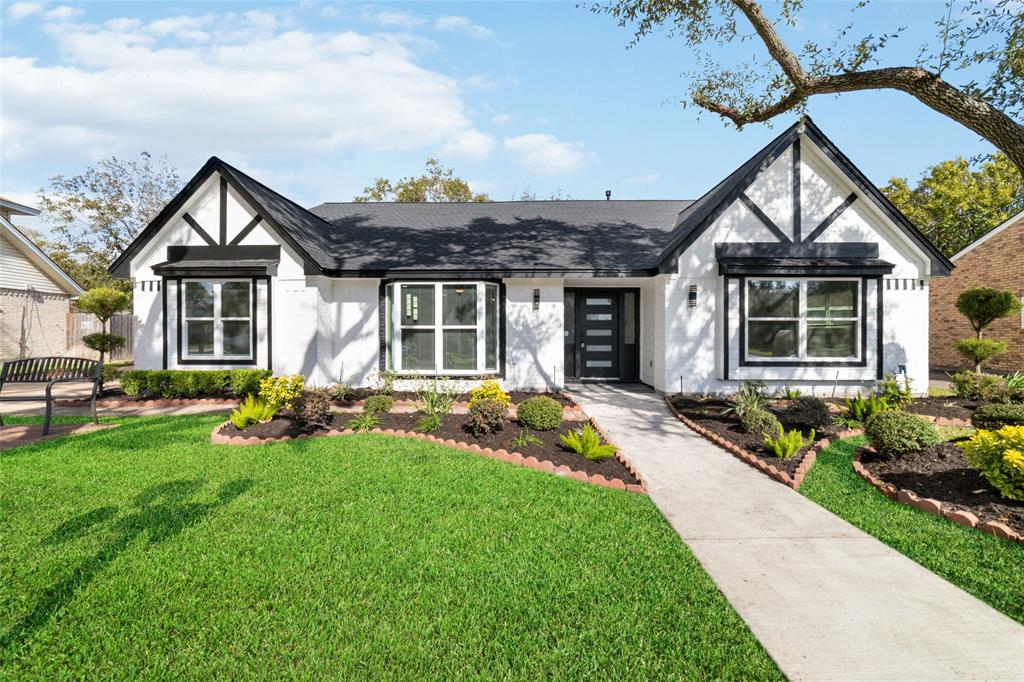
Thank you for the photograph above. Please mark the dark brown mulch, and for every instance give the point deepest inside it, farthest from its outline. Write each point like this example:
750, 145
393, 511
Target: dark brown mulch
948, 407
453, 427
942, 473
711, 413
357, 394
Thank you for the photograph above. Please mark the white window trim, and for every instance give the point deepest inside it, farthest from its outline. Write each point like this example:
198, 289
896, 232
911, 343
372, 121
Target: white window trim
217, 319
802, 320
439, 328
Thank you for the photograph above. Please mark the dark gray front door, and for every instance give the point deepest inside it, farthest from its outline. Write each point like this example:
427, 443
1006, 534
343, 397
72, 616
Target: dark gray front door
598, 334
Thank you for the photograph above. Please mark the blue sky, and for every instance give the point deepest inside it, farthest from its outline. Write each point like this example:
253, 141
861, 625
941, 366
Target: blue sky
317, 99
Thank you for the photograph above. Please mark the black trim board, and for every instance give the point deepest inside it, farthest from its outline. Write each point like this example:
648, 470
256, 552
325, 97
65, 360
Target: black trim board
163, 288
198, 229
797, 208
244, 232
764, 219
832, 217
880, 329
223, 211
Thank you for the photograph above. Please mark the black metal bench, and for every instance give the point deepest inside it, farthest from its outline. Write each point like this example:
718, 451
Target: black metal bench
50, 371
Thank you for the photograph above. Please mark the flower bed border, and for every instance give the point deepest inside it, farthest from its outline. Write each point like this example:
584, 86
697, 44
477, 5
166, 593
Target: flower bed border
929, 505
794, 481
531, 462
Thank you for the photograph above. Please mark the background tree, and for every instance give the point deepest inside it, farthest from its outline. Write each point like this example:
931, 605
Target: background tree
982, 307
104, 303
972, 38
436, 184
955, 203
96, 214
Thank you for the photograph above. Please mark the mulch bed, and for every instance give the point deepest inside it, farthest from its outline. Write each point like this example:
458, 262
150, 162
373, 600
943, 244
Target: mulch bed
453, 427
711, 414
942, 473
948, 407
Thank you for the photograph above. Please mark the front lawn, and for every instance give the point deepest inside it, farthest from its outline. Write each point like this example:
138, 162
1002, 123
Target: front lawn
146, 551
988, 567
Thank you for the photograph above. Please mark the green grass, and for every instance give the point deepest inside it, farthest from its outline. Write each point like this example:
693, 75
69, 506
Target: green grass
936, 392
144, 551
987, 567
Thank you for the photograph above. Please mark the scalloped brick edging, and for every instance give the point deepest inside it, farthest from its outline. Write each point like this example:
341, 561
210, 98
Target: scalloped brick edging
217, 438
774, 472
930, 506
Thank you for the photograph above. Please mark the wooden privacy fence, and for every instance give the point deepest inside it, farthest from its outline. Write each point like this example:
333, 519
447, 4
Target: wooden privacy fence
83, 324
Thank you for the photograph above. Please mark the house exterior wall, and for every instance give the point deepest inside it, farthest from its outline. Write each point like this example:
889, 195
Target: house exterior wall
998, 263
534, 346
32, 323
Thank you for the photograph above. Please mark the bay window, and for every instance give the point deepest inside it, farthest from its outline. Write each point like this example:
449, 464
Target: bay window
217, 319
803, 319
443, 327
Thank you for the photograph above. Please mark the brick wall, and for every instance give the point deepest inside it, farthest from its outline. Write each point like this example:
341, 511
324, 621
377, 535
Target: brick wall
32, 323
997, 263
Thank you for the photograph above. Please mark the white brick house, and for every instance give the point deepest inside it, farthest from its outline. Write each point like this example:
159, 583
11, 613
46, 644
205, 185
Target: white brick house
794, 270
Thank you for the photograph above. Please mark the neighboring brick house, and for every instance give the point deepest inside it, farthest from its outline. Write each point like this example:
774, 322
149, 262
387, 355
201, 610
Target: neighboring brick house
997, 261
35, 294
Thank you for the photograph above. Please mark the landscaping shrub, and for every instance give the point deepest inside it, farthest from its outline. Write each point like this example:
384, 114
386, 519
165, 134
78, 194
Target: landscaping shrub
587, 442
522, 439
486, 416
437, 397
979, 351
999, 457
808, 412
282, 392
340, 392
896, 395
540, 413
247, 381
750, 397
378, 404
364, 422
784, 445
489, 390
791, 393
430, 422
253, 410
974, 386
861, 409
995, 416
385, 380
110, 373
894, 433
188, 383
313, 408
760, 422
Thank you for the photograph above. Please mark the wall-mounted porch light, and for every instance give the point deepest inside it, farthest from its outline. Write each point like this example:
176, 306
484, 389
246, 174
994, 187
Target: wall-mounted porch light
536, 299
691, 297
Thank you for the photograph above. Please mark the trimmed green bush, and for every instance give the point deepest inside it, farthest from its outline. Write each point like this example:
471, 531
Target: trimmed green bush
995, 416
489, 390
378, 404
760, 422
896, 395
192, 383
540, 413
893, 433
999, 456
974, 386
282, 392
808, 412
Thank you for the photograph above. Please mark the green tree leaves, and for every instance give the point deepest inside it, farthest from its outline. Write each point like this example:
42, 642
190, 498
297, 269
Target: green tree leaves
436, 184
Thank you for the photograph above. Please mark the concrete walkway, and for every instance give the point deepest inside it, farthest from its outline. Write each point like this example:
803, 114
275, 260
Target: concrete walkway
827, 601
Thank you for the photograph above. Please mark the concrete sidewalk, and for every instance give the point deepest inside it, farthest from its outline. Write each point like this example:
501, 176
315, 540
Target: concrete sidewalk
827, 601
73, 390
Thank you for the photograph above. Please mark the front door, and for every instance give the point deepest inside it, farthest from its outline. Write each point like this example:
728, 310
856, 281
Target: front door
597, 322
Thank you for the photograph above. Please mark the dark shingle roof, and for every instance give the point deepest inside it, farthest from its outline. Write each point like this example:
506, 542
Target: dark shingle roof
556, 236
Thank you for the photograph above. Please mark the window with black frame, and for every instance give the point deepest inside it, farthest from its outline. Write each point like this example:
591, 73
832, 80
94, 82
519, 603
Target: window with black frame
802, 319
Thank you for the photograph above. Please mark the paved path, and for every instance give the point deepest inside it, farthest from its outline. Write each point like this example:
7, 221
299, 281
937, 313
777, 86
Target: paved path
827, 601
81, 390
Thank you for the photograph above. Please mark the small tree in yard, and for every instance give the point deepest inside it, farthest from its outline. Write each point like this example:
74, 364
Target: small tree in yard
104, 303
982, 307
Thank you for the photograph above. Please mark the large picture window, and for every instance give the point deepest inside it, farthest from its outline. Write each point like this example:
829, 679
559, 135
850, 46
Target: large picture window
217, 319
443, 327
802, 319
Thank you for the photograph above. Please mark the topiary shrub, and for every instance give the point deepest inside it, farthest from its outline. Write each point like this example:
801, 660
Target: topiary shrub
540, 413
974, 386
893, 433
486, 416
378, 404
808, 412
996, 416
999, 456
245, 382
313, 408
760, 422
979, 351
489, 390
282, 392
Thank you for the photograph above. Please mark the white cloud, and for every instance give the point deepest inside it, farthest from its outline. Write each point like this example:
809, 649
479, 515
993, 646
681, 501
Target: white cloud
456, 23
63, 13
471, 143
388, 17
251, 87
480, 83
501, 119
545, 154
20, 10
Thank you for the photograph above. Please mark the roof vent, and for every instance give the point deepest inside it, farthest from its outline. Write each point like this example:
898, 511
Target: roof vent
607, 195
